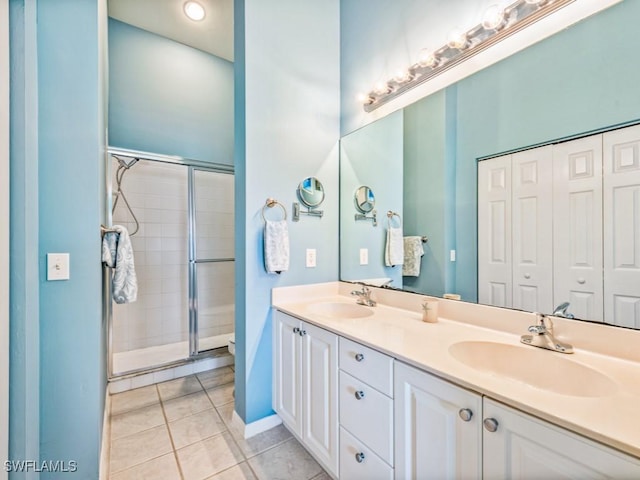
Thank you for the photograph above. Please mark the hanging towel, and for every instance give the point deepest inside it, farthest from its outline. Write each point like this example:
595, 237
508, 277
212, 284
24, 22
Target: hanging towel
117, 253
276, 246
413, 250
394, 251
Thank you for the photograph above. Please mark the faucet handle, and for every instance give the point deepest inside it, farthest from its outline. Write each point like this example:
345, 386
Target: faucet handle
541, 324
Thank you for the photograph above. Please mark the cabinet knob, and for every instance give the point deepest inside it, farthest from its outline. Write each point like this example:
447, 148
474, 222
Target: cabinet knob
359, 457
581, 281
359, 357
465, 414
490, 424
296, 330
359, 395
303, 333
527, 276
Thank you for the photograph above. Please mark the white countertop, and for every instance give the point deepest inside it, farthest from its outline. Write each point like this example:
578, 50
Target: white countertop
613, 419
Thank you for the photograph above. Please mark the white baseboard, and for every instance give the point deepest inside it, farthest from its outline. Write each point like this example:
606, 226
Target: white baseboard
254, 428
105, 447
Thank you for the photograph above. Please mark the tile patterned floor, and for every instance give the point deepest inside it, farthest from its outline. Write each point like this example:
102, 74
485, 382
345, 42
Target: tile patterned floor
181, 429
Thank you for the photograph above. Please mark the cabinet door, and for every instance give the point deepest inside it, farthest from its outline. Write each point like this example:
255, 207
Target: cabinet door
577, 226
532, 230
494, 232
432, 441
287, 386
524, 447
320, 395
622, 232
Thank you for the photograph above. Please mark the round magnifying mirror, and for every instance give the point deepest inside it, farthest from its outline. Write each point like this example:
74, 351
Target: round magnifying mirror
365, 199
311, 192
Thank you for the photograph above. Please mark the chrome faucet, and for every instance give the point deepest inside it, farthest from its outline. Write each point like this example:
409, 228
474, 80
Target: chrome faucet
364, 296
561, 311
542, 336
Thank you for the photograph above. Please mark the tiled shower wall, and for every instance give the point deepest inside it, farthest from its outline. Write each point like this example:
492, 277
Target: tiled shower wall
158, 196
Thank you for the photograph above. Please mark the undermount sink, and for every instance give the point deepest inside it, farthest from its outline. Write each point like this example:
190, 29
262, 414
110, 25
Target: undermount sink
340, 310
535, 367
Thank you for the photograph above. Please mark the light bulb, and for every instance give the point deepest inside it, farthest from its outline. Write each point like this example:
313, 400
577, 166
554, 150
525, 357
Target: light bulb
194, 11
426, 58
381, 88
363, 97
457, 39
402, 76
535, 2
494, 18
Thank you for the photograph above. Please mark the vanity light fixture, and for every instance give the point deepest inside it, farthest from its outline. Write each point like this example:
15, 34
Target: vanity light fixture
498, 23
194, 11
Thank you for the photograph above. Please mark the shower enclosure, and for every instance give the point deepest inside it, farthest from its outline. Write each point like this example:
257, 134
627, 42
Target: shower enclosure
180, 215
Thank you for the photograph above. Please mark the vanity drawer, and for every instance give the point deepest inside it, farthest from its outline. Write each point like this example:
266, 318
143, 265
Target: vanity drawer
367, 414
359, 462
372, 367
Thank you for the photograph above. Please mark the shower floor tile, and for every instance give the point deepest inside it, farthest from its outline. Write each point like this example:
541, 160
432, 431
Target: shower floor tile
181, 429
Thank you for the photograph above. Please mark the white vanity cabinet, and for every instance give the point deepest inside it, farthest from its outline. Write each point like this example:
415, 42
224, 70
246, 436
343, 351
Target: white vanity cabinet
305, 385
519, 446
438, 427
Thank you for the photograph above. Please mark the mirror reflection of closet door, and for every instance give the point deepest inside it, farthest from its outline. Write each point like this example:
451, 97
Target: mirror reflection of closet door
212, 259
577, 226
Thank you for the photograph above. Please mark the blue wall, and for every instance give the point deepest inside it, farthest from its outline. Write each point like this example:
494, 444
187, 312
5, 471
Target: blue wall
57, 407
182, 106
287, 95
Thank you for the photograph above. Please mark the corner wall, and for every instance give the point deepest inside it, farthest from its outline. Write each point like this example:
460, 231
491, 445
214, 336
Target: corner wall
287, 55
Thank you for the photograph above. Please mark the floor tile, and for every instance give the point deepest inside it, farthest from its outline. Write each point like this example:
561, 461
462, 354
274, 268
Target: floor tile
162, 468
134, 399
262, 441
226, 413
217, 377
221, 395
284, 462
239, 472
323, 476
134, 449
180, 407
135, 421
179, 387
208, 457
196, 427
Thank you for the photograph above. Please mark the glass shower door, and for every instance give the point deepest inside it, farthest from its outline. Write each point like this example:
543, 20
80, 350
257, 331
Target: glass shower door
212, 313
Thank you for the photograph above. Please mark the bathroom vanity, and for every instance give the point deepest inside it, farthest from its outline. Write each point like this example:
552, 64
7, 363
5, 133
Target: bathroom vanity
376, 393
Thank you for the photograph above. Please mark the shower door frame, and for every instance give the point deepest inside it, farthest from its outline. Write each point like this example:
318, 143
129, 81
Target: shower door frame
192, 166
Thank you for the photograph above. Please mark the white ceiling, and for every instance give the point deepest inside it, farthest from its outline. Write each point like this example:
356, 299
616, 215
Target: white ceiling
213, 34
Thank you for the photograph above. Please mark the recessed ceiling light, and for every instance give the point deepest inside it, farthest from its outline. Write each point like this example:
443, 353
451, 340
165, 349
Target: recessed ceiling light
194, 11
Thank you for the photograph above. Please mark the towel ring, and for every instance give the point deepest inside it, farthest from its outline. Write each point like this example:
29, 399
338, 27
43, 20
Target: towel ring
270, 203
391, 214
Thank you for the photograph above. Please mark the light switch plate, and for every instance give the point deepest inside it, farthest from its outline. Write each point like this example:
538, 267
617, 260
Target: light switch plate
364, 256
452, 255
57, 266
311, 257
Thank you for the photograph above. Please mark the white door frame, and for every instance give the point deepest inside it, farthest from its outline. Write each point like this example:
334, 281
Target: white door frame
4, 234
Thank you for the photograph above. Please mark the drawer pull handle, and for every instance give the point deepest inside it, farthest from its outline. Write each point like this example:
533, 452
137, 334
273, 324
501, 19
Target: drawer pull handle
490, 424
303, 333
359, 357
359, 395
359, 457
465, 414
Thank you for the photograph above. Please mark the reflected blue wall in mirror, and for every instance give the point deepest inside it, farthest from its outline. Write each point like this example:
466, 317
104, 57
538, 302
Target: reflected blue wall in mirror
372, 157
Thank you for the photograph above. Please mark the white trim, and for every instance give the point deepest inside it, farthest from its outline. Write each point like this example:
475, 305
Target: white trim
105, 447
4, 234
254, 428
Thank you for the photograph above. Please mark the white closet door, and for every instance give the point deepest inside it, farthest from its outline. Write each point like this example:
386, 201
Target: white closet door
577, 226
622, 227
532, 237
494, 231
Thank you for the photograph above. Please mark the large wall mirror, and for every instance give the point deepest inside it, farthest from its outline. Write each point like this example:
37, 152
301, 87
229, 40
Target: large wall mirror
577, 83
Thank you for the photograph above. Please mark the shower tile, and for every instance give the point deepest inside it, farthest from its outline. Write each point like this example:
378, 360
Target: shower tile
211, 456
142, 380
163, 376
184, 370
288, 460
162, 468
154, 258
136, 421
179, 387
216, 378
197, 427
221, 395
242, 471
134, 399
140, 447
120, 386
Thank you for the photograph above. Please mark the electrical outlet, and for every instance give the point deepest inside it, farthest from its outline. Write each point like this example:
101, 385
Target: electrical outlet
57, 266
311, 257
364, 256
452, 255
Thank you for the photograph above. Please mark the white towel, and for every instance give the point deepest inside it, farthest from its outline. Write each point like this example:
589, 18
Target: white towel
276, 246
413, 250
394, 251
117, 253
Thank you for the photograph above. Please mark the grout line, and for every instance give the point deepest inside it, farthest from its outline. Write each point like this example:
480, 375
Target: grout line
173, 445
